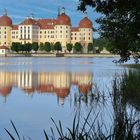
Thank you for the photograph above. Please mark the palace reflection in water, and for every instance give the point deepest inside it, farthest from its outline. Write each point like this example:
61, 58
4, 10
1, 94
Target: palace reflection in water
57, 83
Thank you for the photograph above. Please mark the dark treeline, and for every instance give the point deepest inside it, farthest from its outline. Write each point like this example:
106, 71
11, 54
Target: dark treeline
50, 47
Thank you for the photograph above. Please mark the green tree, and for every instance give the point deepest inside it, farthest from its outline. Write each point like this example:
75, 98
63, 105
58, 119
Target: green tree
47, 47
102, 42
119, 23
41, 47
69, 47
27, 47
35, 46
57, 46
78, 47
90, 47
52, 46
15, 46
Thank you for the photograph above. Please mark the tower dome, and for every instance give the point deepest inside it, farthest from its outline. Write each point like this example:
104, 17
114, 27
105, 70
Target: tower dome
85, 23
63, 19
5, 20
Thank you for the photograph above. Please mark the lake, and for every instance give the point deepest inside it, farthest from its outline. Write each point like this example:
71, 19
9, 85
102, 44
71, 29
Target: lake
32, 90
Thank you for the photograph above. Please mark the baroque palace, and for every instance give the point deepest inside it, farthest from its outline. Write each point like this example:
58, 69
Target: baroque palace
46, 30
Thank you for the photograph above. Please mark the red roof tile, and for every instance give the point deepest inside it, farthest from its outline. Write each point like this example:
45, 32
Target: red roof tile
85, 23
75, 29
29, 21
5, 21
47, 23
63, 19
15, 27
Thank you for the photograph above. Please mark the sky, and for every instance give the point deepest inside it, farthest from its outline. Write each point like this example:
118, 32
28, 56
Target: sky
18, 10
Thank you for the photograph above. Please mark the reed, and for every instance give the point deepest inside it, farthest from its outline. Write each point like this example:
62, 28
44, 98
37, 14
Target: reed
125, 119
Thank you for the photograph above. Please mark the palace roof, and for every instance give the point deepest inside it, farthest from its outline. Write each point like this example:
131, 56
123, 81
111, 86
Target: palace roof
5, 21
85, 23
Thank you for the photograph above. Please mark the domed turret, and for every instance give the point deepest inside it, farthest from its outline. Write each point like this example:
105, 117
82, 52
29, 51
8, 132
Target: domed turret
5, 20
85, 23
63, 19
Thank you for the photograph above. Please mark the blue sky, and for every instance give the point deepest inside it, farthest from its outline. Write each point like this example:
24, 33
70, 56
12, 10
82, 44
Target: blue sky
18, 10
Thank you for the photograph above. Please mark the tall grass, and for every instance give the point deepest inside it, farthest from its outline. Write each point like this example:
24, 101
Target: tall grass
126, 121
130, 87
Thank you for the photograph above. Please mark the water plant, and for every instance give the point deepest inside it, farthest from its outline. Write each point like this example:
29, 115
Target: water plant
124, 95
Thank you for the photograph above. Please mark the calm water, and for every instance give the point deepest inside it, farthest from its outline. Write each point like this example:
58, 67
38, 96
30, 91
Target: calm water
32, 90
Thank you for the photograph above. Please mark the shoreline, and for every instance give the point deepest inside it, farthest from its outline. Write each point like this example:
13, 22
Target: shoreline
54, 55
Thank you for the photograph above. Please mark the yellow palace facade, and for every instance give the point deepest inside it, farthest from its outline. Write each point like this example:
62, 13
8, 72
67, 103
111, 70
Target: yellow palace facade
46, 30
